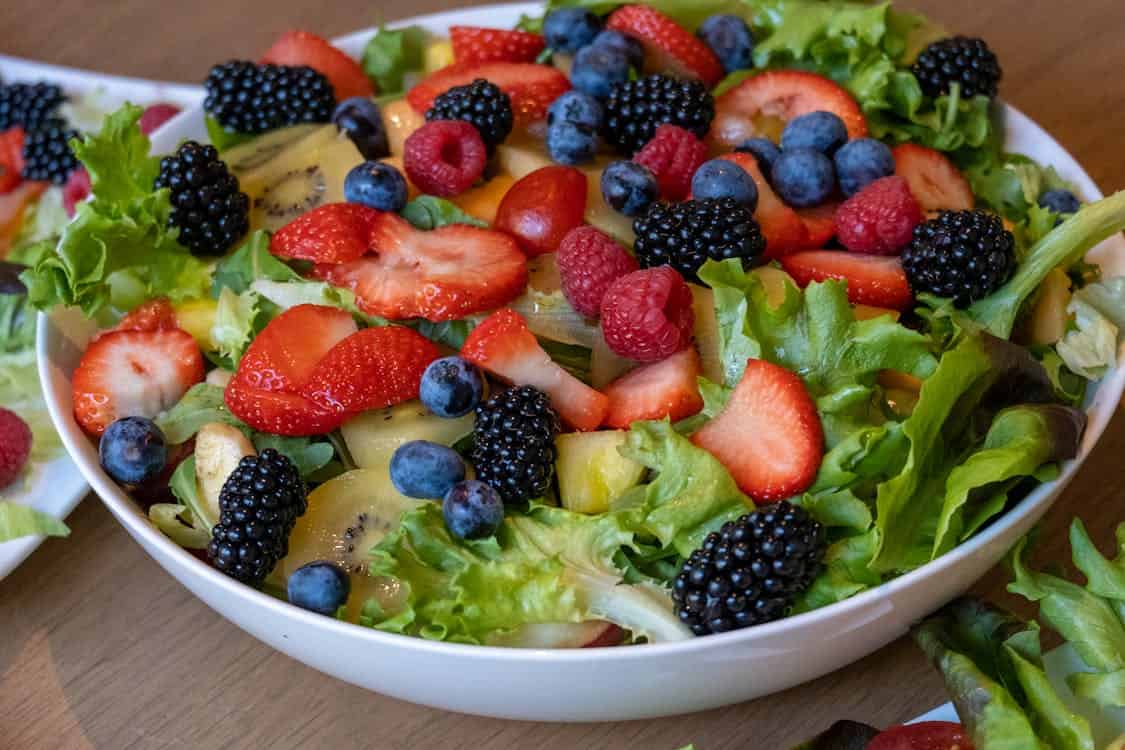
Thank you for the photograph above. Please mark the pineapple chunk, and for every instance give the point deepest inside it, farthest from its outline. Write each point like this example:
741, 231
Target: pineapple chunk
592, 472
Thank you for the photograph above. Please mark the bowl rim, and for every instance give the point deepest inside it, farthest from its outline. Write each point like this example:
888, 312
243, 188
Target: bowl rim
136, 522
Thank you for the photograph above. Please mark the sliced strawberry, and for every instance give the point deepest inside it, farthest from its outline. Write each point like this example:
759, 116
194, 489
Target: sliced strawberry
531, 87
820, 224
874, 280
279, 413
662, 389
669, 47
783, 95
936, 183
284, 355
11, 159
155, 315
783, 228
13, 205
443, 274
473, 45
333, 233
504, 346
305, 48
133, 374
769, 435
371, 369
76, 190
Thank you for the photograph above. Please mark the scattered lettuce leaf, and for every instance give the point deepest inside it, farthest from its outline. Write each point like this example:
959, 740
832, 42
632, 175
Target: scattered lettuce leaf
1089, 348
249, 263
451, 333
168, 518
1012, 185
234, 324
847, 572
391, 54
202, 404
196, 516
427, 212
19, 376
308, 456
18, 521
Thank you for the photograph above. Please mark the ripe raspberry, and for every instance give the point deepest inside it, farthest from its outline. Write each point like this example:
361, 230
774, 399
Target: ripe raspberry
444, 157
879, 219
673, 155
647, 315
589, 262
15, 446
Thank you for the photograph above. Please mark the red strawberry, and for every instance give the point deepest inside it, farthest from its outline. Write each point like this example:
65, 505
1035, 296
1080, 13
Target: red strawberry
669, 47
935, 181
783, 94
133, 374
504, 346
12, 208
541, 207
647, 315
333, 233
874, 280
279, 413
879, 219
156, 115
305, 48
76, 190
673, 155
11, 159
155, 315
473, 45
820, 224
662, 389
15, 446
443, 274
444, 157
531, 87
284, 355
769, 435
371, 369
783, 228
589, 262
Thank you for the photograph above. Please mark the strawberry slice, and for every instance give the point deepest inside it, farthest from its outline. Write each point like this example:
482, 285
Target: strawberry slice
531, 87
473, 45
504, 346
784, 95
305, 48
333, 233
279, 413
783, 228
284, 355
936, 183
155, 315
13, 206
669, 47
769, 435
371, 369
874, 280
443, 274
76, 190
133, 374
669, 388
11, 159
820, 223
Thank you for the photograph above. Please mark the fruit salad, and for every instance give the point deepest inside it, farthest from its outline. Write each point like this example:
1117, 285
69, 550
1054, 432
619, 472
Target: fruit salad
612, 328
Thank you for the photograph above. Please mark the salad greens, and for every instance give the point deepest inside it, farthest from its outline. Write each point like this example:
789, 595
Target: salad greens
390, 55
20, 520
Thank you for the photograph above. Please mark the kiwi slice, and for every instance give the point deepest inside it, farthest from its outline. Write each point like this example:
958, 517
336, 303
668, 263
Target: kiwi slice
373, 437
264, 148
291, 195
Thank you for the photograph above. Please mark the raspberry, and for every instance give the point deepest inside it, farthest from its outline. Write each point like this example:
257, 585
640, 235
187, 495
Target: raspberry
879, 219
647, 315
673, 155
15, 446
444, 157
589, 262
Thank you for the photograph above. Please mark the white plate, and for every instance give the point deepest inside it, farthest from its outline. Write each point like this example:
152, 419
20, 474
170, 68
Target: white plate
57, 486
585, 684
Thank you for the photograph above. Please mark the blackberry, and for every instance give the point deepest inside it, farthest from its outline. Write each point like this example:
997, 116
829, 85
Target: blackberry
962, 60
481, 104
750, 571
259, 504
249, 97
211, 212
685, 235
28, 105
514, 443
962, 255
47, 154
635, 109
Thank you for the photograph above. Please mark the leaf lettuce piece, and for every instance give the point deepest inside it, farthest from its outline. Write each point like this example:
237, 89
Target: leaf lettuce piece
18, 521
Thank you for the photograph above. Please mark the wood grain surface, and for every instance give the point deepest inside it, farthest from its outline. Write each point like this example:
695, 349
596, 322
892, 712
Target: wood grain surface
99, 648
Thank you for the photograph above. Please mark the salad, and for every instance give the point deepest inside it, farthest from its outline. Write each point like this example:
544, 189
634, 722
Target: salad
635, 323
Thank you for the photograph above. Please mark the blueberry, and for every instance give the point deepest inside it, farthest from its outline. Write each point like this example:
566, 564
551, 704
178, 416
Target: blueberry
360, 119
596, 70
576, 107
571, 143
861, 162
1060, 201
634, 52
451, 387
570, 29
821, 131
472, 510
730, 39
319, 587
376, 184
133, 450
720, 178
762, 149
803, 177
425, 470
629, 188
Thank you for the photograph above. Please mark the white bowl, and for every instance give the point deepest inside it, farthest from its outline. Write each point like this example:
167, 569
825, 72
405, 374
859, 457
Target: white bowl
586, 684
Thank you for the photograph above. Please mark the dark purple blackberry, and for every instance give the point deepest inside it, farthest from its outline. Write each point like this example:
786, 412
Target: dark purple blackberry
210, 211
247, 97
750, 571
685, 235
259, 504
46, 153
961, 255
962, 60
28, 105
481, 104
514, 443
635, 109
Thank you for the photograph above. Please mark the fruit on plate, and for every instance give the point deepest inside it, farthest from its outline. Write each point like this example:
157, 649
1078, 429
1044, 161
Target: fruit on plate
934, 180
939, 735
673, 155
530, 87
1047, 321
400, 120
372, 437
635, 109
542, 207
473, 45
961, 255
880, 219
873, 280
283, 356
589, 261
15, 446
305, 48
481, 202
668, 389
592, 471
219, 448
668, 46
783, 228
647, 314
708, 343
330, 234
768, 436
11, 159
514, 444
686, 235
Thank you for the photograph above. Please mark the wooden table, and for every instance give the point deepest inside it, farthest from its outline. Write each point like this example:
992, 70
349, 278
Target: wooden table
99, 648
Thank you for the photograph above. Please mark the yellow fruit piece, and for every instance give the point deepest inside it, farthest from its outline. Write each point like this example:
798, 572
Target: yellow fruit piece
867, 312
400, 120
396, 161
1048, 319
373, 437
197, 317
482, 202
707, 332
592, 472
438, 54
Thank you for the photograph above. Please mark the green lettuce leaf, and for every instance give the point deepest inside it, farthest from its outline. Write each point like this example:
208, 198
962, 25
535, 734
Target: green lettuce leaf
168, 517
234, 324
249, 263
18, 521
391, 54
427, 212
1012, 185
1089, 347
